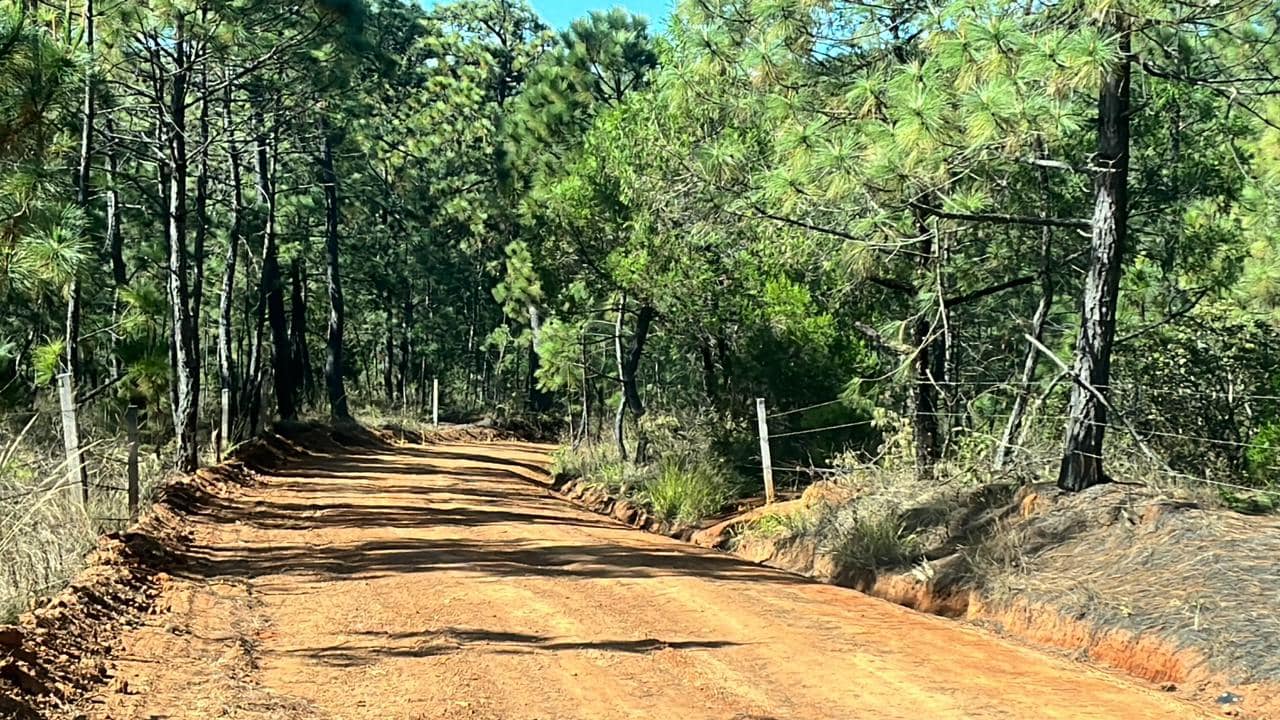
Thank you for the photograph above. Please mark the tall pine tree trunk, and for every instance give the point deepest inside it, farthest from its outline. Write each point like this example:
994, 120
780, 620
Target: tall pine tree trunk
277, 319
304, 382
389, 353
115, 253
628, 371
1082, 459
186, 367
226, 357
201, 236
88, 114
199, 243
926, 431
619, 422
631, 367
115, 240
333, 366
406, 348
273, 289
251, 398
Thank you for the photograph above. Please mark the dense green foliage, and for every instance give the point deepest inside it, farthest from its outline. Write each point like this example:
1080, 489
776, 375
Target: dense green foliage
978, 226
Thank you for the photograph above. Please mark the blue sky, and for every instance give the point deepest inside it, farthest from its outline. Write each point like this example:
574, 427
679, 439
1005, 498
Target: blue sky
559, 13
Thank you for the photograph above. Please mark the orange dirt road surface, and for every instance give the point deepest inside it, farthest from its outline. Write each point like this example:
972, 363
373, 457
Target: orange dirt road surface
439, 582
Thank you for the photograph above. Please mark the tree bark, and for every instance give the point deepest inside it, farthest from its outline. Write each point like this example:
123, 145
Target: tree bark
926, 431
256, 310
406, 347
201, 237
273, 291
255, 321
88, 114
226, 357
631, 368
333, 366
115, 240
71, 338
389, 351
585, 429
619, 422
186, 368
115, 253
303, 377
1091, 371
628, 370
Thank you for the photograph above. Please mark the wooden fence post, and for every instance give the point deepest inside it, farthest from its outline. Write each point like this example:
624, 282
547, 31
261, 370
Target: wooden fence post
131, 430
71, 436
435, 402
766, 461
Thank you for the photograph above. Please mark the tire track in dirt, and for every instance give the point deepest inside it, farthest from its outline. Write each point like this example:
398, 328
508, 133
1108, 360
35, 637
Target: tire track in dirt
439, 582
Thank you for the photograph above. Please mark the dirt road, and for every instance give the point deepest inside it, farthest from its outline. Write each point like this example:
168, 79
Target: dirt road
440, 583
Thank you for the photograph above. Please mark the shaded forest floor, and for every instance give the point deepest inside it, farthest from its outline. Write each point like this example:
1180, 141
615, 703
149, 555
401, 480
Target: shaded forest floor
372, 581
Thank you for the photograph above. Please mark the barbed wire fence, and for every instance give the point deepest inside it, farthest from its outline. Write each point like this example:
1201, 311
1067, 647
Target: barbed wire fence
70, 470
1127, 439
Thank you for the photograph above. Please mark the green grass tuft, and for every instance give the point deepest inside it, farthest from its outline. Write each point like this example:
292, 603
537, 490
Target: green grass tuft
863, 538
781, 525
687, 491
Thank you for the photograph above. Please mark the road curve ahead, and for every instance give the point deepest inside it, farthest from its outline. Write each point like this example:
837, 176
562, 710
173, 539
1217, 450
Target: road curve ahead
438, 582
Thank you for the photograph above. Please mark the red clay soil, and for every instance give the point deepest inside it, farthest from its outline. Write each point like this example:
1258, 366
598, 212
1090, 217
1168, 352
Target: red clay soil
438, 582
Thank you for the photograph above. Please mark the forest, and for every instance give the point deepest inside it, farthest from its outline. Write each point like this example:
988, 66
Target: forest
950, 240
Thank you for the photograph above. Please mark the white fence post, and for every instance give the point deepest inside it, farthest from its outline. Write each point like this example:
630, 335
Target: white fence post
435, 402
766, 461
71, 436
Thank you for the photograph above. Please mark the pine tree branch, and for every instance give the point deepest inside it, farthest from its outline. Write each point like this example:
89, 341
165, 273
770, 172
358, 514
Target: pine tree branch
895, 285
990, 290
1000, 219
1058, 165
1191, 304
876, 337
802, 224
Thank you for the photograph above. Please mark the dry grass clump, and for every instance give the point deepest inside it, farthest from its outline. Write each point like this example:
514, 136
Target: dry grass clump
1131, 557
890, 519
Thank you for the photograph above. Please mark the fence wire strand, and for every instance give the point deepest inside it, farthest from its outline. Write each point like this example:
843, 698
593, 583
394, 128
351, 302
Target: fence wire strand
805, 409
1148, 432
